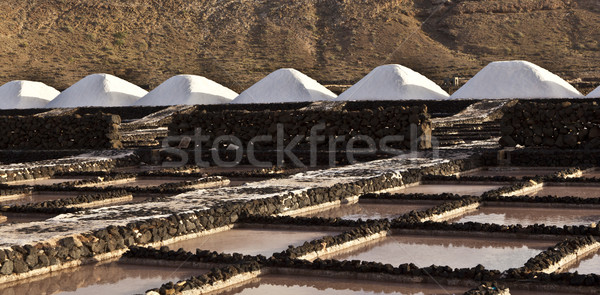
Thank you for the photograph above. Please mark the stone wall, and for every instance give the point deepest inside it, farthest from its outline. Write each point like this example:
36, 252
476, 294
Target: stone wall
70, 131
245, 125
552, 123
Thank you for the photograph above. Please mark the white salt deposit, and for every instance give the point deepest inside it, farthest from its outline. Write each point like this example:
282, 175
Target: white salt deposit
516, 79
26, 95
393, 82
98, 90
595, 93
187, 90
285, 85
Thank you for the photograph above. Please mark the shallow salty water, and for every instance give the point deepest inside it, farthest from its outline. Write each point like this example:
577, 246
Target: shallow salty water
307, 285
109, 278
588, 266
40, 197
508, 215
460, 189
568, 191
370, 210
251, 241
512, 171
49, 181
146, 182
456, 252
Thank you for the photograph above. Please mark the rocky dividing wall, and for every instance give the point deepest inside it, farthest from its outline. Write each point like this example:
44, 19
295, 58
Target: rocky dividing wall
375, 123
558, 124
69, 131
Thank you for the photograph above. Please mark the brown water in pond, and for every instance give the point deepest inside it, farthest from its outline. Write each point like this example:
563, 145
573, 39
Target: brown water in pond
101, 279
370, 210
25, 217
461, 189
587, 266
592, 173
49, 181
251, 241
568, 191
456, 252
527, 216
40, 197
308, 285
512, 171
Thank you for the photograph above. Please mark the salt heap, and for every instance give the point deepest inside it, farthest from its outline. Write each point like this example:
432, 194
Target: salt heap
98, 90
393, 82
595, 93
285, 85
187, 90
516, 79
26, 95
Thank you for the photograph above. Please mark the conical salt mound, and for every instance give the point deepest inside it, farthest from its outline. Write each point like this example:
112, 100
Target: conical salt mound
516, 79
285, 85
393, 82
187, 90
102, 90
595, 93
26, 95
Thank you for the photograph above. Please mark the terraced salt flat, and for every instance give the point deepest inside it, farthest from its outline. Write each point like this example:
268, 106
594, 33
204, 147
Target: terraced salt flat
512, 171
203, 199
366, 210
144, 182
460, 189
508, 215
39, 197
98, 279
25, 217
286, 284
251, 241
568, 191
456, 252
587, 265
49, 181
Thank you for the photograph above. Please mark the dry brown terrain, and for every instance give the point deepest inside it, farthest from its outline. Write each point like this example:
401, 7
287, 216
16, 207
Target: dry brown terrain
237, 42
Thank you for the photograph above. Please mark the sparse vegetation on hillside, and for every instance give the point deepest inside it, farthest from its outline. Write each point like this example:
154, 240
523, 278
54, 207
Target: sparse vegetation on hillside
238, 42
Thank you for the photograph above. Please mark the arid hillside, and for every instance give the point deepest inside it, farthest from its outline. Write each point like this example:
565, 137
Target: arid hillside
237, 42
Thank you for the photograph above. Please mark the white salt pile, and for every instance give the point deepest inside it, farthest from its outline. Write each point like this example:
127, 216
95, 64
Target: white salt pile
98, 90
516, 79
285, 85
595, 93
393, 82
26, 95
187, 90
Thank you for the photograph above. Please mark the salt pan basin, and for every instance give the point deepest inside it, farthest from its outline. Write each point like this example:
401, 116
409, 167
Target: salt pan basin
512, 171
508, 215
590, 265
460, 189
453, 251
366, 211
99, 279
280, 284
146, 181
49, 181
37, 197
250, 241
568, 191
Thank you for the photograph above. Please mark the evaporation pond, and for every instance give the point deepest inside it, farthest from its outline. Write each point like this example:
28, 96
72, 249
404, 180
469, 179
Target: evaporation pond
364, 210
108, 278
49, 181
512, 171
568, 191
37, 197
308, 285
453, 251
250, 241
590, 265
507, 215
146, 181
460, 189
